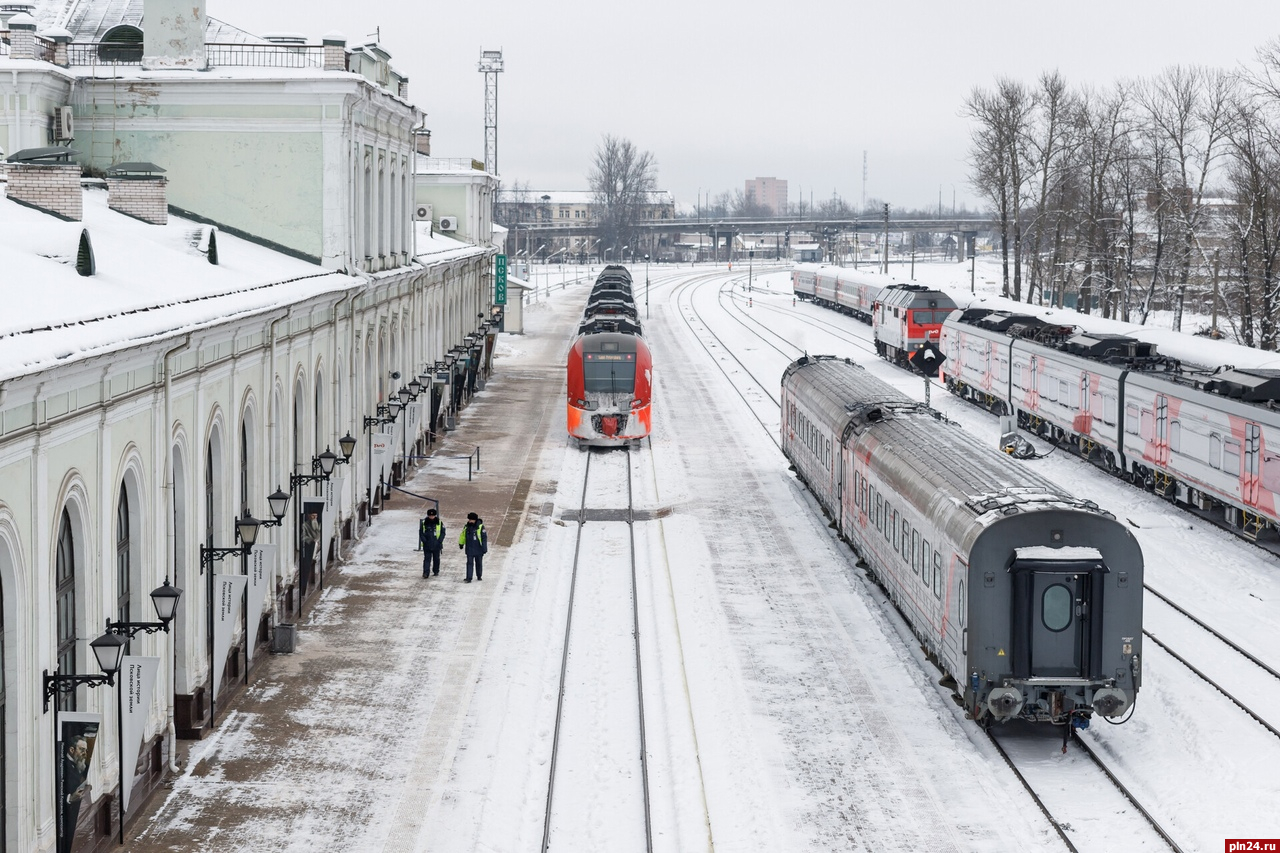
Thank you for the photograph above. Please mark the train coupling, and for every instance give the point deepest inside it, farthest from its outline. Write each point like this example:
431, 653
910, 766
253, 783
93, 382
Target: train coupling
1004, 702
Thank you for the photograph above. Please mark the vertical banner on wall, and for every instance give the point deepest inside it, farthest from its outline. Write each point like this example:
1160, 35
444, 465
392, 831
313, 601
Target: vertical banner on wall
227, 592
77, 737
383, 442
137, 684
261, 559
412, 420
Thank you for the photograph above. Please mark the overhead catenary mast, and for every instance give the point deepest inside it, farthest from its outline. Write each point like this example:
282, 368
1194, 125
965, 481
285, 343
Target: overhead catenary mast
490, 66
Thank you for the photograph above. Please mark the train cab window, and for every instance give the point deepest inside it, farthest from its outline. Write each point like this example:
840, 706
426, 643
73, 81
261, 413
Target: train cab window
609, 372
1175, 435
1145, 421
1055, 608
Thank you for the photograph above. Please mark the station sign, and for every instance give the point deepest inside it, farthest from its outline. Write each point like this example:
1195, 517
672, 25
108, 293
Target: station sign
500, 280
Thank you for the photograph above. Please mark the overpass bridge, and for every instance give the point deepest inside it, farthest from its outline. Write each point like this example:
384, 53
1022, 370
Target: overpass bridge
530, 237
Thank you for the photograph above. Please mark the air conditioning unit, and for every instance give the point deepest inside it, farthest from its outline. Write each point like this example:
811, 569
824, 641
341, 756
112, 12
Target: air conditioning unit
63, 124
448, 223
422, 213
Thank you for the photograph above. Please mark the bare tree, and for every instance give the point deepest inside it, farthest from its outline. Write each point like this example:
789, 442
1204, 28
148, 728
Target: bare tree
998, 155
1189, 107
622, 179
1050, 146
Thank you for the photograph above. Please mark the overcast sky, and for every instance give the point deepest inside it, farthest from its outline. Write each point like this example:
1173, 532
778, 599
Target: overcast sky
725, 90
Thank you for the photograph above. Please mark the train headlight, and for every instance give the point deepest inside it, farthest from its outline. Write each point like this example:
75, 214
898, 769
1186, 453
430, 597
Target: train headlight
635, 404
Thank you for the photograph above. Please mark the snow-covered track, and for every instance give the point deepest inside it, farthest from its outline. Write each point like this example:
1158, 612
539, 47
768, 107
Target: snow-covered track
717, 349
600, 666
1087, 813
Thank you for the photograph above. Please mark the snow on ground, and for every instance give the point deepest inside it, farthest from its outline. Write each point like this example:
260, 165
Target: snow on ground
788, 706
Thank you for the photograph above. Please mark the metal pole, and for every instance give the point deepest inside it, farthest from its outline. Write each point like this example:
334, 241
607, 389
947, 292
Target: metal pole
213, 688
120, 752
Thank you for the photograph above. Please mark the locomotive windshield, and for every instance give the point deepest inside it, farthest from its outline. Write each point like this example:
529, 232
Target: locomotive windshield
609, 372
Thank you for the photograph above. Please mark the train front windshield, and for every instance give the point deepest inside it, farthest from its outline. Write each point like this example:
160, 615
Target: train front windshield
609, 372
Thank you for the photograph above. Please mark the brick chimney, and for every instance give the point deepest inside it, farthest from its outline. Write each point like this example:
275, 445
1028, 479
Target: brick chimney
140, 196
174, 35
403, 92
335, 52
22, 36
52, 188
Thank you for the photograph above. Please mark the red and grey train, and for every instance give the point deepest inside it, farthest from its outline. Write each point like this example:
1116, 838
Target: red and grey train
610, 369
904, 316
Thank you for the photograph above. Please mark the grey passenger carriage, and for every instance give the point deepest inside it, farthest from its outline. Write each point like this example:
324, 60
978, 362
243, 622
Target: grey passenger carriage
1030, 599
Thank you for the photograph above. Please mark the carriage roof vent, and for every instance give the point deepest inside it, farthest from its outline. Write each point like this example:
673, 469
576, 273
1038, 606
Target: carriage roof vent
1249, 386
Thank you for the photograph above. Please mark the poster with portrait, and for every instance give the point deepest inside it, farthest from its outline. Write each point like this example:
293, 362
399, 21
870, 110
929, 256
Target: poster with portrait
314, 536
77, 739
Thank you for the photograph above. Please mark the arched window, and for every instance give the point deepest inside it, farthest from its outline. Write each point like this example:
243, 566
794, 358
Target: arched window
66, 606
319, 416
123, 590
368, 208
244, 468
208, 497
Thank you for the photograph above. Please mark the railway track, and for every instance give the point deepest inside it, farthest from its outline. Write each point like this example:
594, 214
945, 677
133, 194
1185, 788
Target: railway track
1067, 787
599, 765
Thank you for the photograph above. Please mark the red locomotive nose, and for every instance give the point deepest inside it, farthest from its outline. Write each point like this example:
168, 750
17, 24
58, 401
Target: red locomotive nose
609, 426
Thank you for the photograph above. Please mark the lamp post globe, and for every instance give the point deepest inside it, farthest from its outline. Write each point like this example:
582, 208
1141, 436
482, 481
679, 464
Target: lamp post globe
109, 650
247, 531
165, 600
327, 460
279, 503
348, 445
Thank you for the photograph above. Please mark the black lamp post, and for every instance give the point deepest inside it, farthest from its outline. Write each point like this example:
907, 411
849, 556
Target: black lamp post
165, 600
384, 416
247, 536
108, 649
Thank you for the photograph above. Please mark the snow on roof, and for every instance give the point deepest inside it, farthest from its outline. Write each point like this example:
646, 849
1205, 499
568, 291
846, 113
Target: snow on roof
151, 282
433, 248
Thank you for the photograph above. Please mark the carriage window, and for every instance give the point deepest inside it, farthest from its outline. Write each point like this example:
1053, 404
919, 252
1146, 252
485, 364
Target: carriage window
891, 525
937, 575
915, 552
925, 559
1131, 419
1231, 457
1215, 450
1175, 435
879, 513
1055, 608
905, 547
1144, 425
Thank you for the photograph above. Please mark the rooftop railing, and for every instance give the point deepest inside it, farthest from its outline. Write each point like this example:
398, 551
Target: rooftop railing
243, 55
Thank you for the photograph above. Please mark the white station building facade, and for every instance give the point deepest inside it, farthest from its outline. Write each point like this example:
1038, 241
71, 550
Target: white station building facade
228, 262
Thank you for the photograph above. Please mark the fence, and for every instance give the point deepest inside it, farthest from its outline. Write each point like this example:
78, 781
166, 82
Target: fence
216, 54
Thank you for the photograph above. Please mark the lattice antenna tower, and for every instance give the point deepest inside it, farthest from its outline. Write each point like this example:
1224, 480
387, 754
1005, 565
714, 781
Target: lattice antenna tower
490, 66
864, 180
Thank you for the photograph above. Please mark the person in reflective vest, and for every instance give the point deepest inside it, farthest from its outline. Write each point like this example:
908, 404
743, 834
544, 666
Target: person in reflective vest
431, 538
476, 543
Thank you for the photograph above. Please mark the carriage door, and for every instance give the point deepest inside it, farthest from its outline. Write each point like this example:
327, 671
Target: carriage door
1055, 634
1249, 478
1162, 430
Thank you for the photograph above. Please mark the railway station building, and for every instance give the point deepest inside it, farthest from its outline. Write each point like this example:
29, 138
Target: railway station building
221, 288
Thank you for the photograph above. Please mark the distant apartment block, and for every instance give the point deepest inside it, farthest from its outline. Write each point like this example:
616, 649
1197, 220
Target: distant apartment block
769, 192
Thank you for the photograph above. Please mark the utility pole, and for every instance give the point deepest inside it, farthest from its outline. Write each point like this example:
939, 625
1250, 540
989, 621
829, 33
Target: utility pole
886, 239
490, 66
